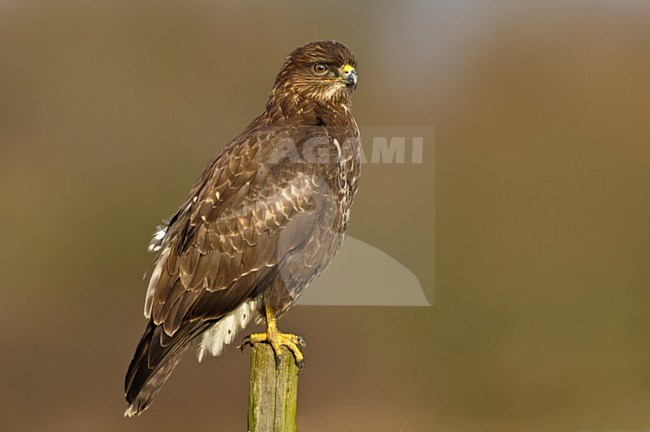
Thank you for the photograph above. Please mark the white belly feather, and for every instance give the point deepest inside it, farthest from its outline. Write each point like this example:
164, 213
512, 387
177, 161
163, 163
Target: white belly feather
225, 330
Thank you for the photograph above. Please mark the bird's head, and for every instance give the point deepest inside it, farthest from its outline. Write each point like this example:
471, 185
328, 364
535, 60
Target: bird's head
321, 72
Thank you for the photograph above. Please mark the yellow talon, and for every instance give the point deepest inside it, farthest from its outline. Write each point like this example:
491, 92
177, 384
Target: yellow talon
277, 339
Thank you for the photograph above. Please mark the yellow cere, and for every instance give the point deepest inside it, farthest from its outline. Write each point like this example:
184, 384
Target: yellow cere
347, 68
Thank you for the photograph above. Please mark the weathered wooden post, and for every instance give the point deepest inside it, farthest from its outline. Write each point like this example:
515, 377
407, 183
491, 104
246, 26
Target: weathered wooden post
273, 392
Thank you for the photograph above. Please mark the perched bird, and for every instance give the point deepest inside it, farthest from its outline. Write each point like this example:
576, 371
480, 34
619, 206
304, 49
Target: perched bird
266, 216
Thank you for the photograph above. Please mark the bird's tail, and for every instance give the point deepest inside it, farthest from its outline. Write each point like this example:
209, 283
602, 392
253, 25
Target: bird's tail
156, 356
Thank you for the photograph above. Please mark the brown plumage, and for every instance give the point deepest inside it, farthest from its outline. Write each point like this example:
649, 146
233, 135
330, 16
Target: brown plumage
265, 217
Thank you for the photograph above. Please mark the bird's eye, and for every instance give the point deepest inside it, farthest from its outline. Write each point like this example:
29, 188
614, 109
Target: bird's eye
320, 69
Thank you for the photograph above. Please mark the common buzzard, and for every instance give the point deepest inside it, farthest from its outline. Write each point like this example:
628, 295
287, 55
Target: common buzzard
266, 216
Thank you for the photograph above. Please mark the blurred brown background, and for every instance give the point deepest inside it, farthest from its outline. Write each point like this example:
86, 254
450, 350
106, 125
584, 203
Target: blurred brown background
110, 109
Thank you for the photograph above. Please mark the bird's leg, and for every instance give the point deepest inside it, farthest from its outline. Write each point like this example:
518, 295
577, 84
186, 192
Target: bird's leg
277, 339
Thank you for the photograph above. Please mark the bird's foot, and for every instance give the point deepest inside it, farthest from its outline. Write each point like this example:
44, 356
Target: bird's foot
277, 339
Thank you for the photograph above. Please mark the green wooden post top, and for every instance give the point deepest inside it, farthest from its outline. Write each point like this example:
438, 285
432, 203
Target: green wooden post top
273, 392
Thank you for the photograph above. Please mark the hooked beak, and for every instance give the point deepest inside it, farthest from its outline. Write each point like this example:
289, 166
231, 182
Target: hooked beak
348, 75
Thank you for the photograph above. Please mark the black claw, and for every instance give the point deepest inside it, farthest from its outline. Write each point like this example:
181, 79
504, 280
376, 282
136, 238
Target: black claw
278, 360
301, 364
244, 342
301, 342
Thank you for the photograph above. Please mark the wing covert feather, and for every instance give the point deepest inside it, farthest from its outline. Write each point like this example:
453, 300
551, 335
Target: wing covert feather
243, 218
